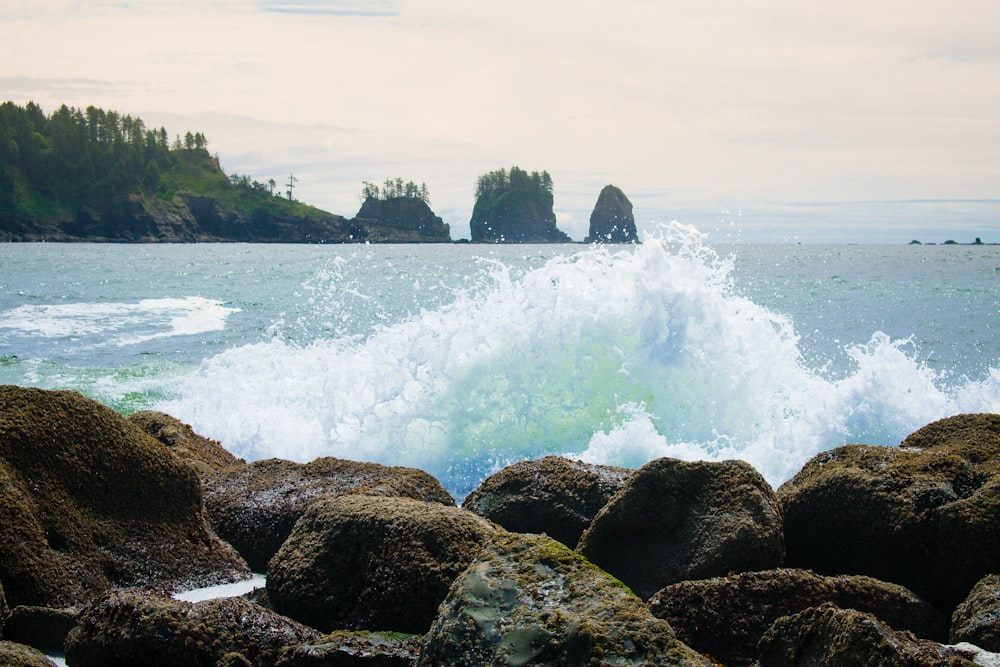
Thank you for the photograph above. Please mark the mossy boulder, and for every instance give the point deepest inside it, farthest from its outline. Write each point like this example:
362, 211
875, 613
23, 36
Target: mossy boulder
551, 495
923, 515
373, 563
141, 627
977, 619
90, 502
612, 220
827, 636
528, 599
13, 654
255, 507
725, 617
206, 456
675, 520
345, 648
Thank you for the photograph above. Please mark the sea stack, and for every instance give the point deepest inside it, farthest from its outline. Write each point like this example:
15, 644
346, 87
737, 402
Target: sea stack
612, 220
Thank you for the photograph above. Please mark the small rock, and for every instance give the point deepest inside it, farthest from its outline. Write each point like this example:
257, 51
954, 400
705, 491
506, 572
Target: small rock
977, 619
344, 648
13, 654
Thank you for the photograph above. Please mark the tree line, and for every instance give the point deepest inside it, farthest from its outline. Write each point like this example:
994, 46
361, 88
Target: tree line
501, 180
395, 189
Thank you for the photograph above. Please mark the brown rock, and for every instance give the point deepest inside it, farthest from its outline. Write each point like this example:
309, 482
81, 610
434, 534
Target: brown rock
725, 617
204, 455
90, 501
921, 517
13, 654
977, 619
344, 648
529, 600
373, 563
674, 521
827, 636
41, 627
140, 627
254, 507
551, 495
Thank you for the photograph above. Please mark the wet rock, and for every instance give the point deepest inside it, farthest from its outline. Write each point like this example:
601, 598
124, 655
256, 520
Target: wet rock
18, 655
140, 627
90, 501
674, 521
827, 636
254, 507
725, 617
551, 495
204, 455
373, 563
41, 627
921, 517
345, 648
530, 600
977, 619
612, 220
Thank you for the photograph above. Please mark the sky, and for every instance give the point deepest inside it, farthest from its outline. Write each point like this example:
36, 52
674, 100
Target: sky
754, 120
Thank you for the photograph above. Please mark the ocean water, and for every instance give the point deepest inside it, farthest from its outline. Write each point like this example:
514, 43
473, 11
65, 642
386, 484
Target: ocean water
459, 359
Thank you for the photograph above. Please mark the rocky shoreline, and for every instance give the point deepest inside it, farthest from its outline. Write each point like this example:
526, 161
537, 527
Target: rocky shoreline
869, 555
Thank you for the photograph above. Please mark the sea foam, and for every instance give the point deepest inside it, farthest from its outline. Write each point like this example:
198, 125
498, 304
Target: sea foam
612, 355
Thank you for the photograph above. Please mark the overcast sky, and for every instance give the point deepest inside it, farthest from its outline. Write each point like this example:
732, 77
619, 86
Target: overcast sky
756, 120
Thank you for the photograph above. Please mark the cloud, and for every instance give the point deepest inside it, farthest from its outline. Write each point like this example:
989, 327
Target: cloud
332, 7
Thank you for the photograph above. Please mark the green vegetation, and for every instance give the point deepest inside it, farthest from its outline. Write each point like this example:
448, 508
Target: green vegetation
395, 189
54, 166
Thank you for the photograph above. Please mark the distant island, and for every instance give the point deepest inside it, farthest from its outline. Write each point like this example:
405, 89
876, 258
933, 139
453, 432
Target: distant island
102, 176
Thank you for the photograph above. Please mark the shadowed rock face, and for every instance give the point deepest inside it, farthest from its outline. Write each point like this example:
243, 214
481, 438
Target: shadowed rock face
366, 562
551, 495
725, 617
401, 219
612, 220
140, 627
91, 501
922, 515
675, 520
528, 599
255, 507
977, 619
834, 637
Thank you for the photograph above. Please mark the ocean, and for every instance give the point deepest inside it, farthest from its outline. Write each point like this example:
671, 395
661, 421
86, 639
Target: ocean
460, 359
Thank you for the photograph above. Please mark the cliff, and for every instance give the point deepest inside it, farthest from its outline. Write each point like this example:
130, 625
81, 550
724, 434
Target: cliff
515, 207
401, 220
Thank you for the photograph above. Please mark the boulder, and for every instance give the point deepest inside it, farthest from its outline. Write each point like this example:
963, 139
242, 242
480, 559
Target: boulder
924, 517
977, 619
254, 507
827, 636
90, 501
725, 617
141, 627
612, 220
41, 627
528, 599
204, 455
373, 563
13, 654
674, 520
551, 495
344, 648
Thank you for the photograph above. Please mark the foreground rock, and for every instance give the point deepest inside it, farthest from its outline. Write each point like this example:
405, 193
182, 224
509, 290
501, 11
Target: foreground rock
373, 563
827, 636
530, 600
18, 655
551, 495
924, 517
725, 617
674, 521
137, 627
344, 649
204, 455
255, 507
90, 502
40, 627
612, 220
977, 618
